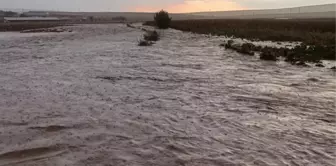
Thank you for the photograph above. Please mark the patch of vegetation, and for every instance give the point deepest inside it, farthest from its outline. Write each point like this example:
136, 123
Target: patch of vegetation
162, 19
245, 48
151, 36
268, 54
299, 55
309, 31
145, 43
317, 35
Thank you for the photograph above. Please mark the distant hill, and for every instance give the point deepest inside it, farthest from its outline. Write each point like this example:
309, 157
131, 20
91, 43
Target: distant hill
14, 10
316, 11
20, 10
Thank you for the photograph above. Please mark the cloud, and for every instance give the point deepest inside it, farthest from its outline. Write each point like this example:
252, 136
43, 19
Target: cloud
175, 6
192, 6
273, 4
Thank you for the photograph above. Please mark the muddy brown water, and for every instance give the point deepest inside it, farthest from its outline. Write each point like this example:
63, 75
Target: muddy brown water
92, 97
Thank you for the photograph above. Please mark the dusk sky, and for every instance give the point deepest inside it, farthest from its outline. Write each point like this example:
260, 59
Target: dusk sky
175, 6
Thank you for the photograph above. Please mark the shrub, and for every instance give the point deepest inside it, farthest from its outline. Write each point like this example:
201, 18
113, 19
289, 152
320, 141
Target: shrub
247, 48
229, 44
301, 63
151, 36
268, 56
148, 39
162, 19
145, 43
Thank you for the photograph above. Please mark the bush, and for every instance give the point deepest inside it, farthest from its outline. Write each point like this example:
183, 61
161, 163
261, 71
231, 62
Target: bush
162, 19
268, 55
228, 45
247, 48
145, 43
151, 36
301, 63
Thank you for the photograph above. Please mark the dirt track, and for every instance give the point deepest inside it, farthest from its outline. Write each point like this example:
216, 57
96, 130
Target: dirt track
92, 97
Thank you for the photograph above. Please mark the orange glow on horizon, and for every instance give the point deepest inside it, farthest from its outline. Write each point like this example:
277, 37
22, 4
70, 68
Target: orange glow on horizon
193, 6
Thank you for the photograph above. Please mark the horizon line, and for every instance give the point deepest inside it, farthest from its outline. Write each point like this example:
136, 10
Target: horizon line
45, 10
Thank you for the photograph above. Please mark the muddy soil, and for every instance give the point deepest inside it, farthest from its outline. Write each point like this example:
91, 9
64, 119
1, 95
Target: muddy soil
93, 97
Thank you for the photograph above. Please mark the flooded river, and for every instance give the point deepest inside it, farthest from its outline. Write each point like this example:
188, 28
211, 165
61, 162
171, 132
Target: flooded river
93, 97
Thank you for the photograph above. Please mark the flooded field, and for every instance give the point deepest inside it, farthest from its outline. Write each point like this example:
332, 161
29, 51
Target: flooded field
92, 97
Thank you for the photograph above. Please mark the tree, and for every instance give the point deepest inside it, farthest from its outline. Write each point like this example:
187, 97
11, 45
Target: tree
162, 19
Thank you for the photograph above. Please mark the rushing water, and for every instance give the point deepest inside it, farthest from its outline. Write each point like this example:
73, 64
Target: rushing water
93, 97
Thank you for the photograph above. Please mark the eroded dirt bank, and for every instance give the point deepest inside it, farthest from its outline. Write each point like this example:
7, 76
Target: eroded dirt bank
92, 97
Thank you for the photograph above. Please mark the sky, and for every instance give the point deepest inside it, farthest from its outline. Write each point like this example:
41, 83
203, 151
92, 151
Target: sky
173, 6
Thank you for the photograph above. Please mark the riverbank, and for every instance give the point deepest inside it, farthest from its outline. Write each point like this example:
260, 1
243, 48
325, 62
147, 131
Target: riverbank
317, 36
309, 31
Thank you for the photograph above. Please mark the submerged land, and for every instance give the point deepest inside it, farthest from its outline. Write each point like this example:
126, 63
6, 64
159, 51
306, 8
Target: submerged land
205, 92
92, 96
